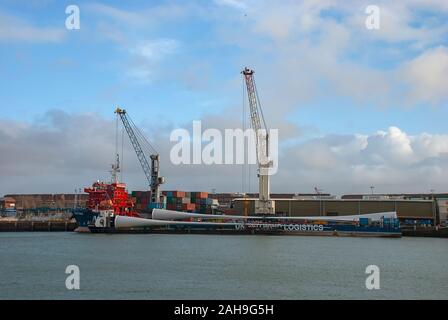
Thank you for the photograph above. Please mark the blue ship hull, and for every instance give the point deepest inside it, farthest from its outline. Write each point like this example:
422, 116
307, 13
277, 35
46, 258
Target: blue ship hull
302, 229
263, 227
84, 217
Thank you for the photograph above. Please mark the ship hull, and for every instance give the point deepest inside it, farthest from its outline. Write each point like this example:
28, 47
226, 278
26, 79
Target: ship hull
84, 218
166, 221
304, 229
218, 231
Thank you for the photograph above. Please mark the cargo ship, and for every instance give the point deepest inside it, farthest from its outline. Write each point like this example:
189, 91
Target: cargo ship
383, 224
109, 209
104, 198
108, 198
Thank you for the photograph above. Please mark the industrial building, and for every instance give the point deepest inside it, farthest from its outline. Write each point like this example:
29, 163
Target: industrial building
7, 207
34, 201
410, 208
225, 199
413, 210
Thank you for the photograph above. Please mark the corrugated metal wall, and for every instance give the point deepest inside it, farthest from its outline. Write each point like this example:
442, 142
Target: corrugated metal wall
297, 208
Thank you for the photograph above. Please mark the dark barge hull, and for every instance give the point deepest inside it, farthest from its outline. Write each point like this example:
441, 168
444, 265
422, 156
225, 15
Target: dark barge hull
226, 231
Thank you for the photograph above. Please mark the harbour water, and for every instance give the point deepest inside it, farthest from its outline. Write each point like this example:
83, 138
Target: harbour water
161, 266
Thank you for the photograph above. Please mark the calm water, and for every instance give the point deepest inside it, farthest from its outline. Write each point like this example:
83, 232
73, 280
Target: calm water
32, 266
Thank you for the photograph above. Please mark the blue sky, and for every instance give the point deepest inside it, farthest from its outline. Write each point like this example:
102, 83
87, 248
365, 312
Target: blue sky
319, 71
85, 71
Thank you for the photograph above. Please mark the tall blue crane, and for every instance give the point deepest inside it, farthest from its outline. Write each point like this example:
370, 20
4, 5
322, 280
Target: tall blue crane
151, 171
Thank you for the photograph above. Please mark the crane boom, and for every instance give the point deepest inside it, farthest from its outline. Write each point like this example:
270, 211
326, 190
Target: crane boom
151, 171
264, 205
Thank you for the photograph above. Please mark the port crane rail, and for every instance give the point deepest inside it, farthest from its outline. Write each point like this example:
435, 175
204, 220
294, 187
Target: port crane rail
151, 171
264, 205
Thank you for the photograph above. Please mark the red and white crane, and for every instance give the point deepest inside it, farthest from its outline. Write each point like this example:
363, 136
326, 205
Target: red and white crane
264, 205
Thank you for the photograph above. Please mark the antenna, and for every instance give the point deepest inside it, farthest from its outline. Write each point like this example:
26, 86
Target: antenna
115, 169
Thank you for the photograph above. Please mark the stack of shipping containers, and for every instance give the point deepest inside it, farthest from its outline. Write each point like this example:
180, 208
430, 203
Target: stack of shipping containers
198, 202
141, 199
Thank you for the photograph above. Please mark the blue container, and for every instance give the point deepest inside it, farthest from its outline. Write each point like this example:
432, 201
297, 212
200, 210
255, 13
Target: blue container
10, 212
363, 221
156, 206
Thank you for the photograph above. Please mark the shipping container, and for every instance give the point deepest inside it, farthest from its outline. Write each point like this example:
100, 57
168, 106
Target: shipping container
363, 221
155, 206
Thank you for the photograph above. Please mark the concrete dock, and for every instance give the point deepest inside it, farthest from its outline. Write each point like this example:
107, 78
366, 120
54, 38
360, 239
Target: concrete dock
19, 225
52, 226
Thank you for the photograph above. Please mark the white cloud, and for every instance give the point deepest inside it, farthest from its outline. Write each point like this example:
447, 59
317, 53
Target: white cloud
321, 46
236, 4
324, 48
427, 75
392, 160
143, 18
299, 54
147, 57
125, 16
392, 146
62, 151
14, 29
157, 49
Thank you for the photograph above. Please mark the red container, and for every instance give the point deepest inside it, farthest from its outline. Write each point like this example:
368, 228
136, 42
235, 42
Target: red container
178, 194
171, 206
202, 195
188, 206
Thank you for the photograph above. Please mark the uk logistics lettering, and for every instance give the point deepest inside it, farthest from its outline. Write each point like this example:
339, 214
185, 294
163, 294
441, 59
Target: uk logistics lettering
303, 227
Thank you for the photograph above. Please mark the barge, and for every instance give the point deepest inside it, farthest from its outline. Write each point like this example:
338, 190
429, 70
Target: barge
167, 221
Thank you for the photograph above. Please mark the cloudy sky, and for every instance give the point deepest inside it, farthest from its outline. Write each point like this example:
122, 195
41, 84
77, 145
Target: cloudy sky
354, 107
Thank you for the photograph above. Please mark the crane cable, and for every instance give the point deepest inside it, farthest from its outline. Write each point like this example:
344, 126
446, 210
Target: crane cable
116, 136
145, 141
122, 153
141, 136
243, 118
259, 105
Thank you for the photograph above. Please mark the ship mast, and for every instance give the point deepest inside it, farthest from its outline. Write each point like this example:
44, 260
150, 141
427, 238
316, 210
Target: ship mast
115, 169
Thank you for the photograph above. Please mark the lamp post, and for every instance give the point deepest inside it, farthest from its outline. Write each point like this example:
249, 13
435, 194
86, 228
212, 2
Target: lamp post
434, 206
319, 194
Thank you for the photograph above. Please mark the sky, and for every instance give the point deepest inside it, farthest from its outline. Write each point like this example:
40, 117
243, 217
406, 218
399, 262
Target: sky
355, 107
